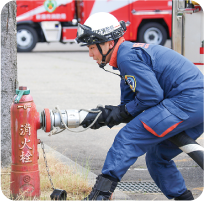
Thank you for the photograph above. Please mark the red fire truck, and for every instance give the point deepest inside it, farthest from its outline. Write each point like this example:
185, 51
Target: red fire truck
147, 21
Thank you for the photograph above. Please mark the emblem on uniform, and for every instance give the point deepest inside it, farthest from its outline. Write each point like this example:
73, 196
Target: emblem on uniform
131, 82
50, 5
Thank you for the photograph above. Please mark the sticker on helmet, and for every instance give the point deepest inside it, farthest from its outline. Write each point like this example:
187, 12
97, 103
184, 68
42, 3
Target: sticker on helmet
105, 30
131, 82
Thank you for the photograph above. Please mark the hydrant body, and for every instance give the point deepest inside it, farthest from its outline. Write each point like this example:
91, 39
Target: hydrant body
25, 121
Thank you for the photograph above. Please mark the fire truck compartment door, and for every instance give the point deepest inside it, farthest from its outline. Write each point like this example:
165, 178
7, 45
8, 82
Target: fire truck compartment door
193, 36
52, 30
69, 33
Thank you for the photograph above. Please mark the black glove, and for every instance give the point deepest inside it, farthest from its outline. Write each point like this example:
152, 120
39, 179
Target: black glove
118, 114
98, 123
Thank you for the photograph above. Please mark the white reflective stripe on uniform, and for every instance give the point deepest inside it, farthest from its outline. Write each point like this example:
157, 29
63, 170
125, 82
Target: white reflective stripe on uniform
191, 147
109, 6
153, 12
38, 10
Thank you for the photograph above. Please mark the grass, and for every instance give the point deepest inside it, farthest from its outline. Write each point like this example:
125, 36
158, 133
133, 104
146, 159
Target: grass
63, 177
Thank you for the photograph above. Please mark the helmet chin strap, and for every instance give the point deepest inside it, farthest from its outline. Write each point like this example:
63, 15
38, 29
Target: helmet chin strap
103, 62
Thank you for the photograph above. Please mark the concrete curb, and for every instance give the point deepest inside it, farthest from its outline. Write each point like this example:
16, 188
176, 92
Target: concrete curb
118, 195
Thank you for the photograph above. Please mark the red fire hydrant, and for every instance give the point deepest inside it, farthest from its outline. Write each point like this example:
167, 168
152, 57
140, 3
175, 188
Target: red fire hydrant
25, 121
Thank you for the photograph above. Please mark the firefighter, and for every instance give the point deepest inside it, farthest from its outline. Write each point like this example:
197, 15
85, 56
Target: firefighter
161, 96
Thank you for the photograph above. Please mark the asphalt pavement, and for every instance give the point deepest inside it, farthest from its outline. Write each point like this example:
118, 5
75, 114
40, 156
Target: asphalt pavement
65, 75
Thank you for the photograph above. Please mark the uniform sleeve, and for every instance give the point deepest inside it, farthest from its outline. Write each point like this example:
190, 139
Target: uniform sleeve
147, 90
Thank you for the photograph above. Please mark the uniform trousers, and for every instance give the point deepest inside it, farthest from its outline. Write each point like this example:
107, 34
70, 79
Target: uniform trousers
135, 140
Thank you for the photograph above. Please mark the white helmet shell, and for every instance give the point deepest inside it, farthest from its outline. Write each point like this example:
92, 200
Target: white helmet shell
100, 27
102, 23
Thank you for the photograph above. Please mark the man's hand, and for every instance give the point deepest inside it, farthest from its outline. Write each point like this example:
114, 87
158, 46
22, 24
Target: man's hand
118, 114
96, 125
99, 122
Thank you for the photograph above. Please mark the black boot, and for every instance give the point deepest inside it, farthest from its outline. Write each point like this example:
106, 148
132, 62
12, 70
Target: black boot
103, 188
187, 195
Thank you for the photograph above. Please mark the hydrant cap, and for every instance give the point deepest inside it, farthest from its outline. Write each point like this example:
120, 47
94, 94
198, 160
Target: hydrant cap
25, 92
20, 92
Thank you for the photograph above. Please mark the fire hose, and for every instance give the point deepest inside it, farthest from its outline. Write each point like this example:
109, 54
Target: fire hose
66, 119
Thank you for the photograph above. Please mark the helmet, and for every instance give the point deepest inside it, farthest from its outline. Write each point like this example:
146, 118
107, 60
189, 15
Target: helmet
99, 28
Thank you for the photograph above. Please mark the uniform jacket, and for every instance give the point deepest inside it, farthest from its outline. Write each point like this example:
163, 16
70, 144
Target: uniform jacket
155, 74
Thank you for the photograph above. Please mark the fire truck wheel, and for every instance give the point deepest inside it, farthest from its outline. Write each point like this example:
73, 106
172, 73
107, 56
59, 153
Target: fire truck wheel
152, 33
26, 38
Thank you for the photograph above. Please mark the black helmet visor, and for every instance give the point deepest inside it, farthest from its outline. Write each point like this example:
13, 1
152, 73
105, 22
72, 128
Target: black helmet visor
86, 36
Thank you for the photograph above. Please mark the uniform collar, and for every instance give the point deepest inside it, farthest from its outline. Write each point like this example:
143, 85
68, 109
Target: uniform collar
113, 59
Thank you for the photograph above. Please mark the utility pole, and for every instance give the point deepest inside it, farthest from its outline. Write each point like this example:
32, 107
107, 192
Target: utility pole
8, 76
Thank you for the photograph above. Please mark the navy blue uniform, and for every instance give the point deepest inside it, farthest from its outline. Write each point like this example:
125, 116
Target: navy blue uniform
165, 96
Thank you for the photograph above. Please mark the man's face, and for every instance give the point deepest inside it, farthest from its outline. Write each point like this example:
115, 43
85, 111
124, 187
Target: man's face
94, 52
